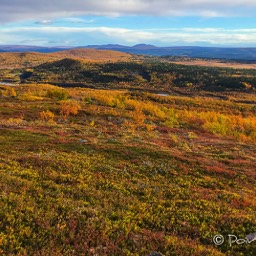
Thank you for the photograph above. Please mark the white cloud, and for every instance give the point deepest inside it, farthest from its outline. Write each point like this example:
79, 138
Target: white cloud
76, 20
166, 37
14, 10
44, 22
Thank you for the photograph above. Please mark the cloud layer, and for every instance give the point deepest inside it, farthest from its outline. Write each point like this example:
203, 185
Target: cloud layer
15, 10
65, 22
50, 35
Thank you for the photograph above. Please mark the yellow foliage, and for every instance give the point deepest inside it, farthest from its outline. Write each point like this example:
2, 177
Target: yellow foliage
14, 122
153, 110
133, 105
9, 92
47, 116
138, 117
242, 128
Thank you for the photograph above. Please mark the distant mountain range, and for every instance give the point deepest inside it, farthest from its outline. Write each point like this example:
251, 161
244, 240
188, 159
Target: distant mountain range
30, 48
146, 49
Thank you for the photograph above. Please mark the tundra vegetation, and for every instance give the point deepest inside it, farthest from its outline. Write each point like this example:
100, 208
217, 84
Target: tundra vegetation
126, 172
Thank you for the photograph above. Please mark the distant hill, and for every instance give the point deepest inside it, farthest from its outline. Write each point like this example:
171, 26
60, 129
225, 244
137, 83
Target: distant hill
185, 51
94, 54
244, 54
30, 48
75, 71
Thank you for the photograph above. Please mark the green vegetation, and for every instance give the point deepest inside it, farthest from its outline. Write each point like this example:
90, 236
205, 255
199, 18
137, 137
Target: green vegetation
118, 172
57, 93
144, 75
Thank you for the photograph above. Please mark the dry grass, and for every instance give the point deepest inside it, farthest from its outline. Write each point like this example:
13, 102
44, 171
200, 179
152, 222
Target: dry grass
215, 63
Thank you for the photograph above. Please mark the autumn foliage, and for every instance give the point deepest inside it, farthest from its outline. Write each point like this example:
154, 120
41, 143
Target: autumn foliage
47, 116
68, 107
108, 172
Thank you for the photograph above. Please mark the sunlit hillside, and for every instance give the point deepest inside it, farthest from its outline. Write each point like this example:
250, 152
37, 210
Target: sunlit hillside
115, 172
31, 59
95, 55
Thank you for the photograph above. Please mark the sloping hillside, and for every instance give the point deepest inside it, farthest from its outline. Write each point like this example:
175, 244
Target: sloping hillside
65, 64
96, 172
31, 59
95, 55
24, 60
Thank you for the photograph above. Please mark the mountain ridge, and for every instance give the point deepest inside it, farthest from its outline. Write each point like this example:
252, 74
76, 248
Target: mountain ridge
233, 53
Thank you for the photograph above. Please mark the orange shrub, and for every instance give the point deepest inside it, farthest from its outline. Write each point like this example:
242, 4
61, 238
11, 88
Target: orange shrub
69, 107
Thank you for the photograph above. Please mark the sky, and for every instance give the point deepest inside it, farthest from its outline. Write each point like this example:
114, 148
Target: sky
128, 22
